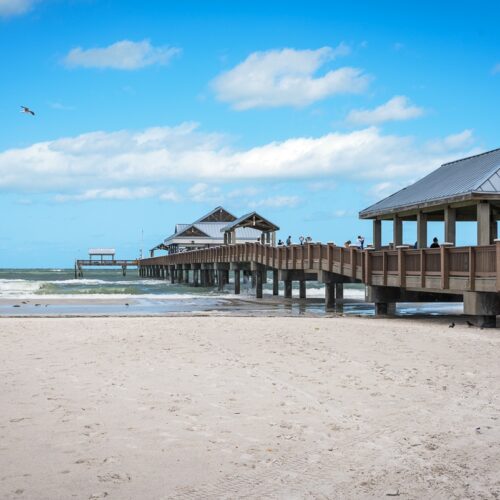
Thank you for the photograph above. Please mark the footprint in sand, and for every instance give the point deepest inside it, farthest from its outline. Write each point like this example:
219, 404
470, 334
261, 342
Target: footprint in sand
114, 478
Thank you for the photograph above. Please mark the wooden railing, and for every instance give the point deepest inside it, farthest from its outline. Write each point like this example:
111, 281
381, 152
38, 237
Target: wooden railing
446, 268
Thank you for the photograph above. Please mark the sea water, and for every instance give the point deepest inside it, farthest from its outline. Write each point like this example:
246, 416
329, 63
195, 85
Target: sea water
25, 292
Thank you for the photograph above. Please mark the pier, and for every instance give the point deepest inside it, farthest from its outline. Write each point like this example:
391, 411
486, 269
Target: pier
103, 257
464, 190
391, 276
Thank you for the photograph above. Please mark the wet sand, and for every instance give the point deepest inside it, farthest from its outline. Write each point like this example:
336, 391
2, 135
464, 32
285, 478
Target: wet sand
225, 407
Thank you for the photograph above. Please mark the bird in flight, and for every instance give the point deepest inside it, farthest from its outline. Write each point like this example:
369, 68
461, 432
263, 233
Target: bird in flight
26, 110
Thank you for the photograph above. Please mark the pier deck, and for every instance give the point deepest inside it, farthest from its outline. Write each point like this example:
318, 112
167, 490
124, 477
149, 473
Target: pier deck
391, 275
122, 263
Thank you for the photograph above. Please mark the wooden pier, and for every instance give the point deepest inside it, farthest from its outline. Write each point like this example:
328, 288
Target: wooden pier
401, 275
121, 263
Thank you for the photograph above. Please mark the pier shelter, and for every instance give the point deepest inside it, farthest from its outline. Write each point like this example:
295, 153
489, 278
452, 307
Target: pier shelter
101, 254
205, 232
463, 190
252, 221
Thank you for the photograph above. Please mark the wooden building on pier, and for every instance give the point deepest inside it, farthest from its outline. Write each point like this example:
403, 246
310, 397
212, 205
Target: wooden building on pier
462, 190
209, 231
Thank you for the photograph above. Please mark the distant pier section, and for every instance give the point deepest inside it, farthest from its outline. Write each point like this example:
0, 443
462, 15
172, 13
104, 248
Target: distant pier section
103, 257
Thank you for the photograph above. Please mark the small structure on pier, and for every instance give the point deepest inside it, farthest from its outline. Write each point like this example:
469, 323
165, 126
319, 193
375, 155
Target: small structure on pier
205, 232
462, 190
102, 253
251, 221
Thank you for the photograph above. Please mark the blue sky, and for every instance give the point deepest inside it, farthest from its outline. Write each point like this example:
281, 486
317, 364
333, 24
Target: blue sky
153, 113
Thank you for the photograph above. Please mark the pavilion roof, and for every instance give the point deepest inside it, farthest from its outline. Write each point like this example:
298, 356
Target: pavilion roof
251, 220
471, 177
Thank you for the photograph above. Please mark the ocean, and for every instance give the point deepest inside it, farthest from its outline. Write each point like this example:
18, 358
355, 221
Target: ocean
105, 292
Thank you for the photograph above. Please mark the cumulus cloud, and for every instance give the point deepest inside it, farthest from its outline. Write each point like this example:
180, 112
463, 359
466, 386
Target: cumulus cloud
396, 109
286, 77
124, 55
123, 193
278, 201
15, 7
202, 192
157, 156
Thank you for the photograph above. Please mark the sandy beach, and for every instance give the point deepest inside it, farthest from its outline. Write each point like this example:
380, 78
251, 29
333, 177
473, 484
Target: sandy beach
226, 407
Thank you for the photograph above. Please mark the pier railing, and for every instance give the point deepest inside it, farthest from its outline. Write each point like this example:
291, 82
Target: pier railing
453, 269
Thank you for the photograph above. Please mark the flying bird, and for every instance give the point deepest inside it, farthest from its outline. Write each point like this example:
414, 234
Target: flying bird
26, 110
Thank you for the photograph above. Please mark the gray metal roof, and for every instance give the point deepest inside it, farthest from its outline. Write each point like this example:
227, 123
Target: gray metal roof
213, 231
245, 217
475, 174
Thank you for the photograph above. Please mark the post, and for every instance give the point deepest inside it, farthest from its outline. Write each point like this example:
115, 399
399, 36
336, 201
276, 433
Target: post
397, 231
450, 225
258, 288
302, 289
445, 269
329, 296
483, 223
196, 281
288, 289
377, 234
422, 230
236, 281
339, 291
276, 283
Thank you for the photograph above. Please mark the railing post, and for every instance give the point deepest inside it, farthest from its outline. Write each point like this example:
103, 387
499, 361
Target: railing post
401, 268
384, 268
445, 271
472, 269
353, 262
422, 268
497, 267
368, 268
329, 257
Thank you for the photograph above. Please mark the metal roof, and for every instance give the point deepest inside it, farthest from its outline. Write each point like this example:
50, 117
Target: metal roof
213, 232
215, 210
475, 174
101, 251
248, 217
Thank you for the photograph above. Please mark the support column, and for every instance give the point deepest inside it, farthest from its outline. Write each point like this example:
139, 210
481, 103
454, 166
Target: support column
450, 223
302, 289
196, 280
329, 296
421, 230
258, 280
237, 281
288, 289
484, 223
339, 291
172, 274
220, 276
276, 283
377, 234
253, 279
483, 306
397, 231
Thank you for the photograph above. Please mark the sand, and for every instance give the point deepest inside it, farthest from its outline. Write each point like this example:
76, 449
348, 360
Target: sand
226, 407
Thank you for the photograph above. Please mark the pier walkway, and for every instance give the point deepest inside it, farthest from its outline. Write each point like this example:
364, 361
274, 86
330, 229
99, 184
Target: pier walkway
400, 275
122, 263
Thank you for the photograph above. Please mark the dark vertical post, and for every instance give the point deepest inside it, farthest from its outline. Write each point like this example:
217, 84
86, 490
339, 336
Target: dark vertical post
329, 296
259, 275
288, 289
276, 283
237, 281
302, 289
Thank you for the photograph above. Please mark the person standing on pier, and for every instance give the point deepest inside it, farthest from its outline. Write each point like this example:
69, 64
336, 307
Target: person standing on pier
288, 241
361, 242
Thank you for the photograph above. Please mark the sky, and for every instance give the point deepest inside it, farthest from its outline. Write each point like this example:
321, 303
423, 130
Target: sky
149, 114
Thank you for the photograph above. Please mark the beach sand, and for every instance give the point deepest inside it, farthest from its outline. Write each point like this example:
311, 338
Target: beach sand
228, 407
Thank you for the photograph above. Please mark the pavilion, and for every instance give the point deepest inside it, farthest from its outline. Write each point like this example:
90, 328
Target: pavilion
463, 190
206, 232
267, 230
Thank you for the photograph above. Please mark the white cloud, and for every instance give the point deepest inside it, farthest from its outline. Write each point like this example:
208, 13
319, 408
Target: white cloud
397, 108
286, 78
170, 195
158, 156
279, 201
15, 7
205, 193
123, 193
125, 55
